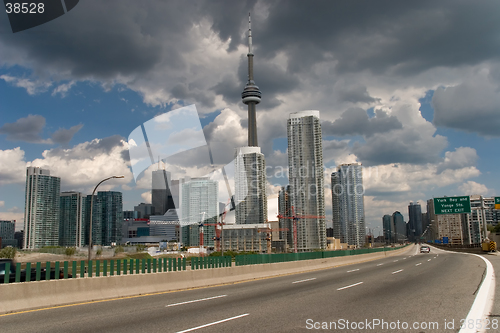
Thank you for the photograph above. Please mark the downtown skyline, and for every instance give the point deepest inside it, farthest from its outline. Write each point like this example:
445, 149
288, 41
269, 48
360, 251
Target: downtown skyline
404, 115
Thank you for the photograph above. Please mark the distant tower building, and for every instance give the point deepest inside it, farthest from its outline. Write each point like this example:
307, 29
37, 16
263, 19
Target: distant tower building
348, 203
161, 196
199, 204
388, 229
7, 232
107, 218
144, 210
415, 221
251, 95
71, 229
305, 160
400, 228
250, 165
41, 213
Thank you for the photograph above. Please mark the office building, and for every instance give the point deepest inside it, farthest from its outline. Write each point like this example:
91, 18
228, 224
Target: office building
348, 196
450, 226
70, 219
199, 204
305, 162
415, 221
144, 210
7, 231
161, 195
387, 224
400, 228
165, 225
41, 213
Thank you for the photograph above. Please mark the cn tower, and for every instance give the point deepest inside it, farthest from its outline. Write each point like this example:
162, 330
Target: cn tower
251, 94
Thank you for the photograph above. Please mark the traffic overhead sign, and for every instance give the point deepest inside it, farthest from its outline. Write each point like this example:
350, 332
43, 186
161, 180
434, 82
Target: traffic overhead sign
452, 205
497, 202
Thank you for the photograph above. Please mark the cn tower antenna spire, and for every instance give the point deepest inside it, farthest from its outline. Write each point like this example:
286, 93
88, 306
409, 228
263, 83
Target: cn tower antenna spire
251, 94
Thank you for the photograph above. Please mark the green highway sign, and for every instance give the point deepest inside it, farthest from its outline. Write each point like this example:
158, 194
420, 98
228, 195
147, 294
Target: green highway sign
452, 205
497, 202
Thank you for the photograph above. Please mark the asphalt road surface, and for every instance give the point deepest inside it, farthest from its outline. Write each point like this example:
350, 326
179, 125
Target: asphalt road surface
429, 292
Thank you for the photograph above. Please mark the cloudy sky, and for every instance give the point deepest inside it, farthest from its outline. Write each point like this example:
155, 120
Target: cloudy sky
409, 89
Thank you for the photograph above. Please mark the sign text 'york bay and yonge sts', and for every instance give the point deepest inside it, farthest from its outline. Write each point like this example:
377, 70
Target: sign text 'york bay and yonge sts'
452, 205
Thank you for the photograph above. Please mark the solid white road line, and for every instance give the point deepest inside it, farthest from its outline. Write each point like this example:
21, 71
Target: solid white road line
379, 264
418, 264
214, 323
483, 302
353, 270
196, 300
352, 285
304, 280
397, 271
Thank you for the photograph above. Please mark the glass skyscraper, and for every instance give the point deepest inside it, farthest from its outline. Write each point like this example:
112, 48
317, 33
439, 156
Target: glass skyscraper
41, 213
107, 218
348, 204
415, 221
70, 219
199, 203
305, 161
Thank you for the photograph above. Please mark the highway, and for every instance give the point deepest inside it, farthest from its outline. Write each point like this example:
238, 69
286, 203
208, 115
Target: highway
422, 290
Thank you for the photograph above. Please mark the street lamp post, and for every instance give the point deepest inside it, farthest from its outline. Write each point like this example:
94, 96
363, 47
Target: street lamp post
91, 211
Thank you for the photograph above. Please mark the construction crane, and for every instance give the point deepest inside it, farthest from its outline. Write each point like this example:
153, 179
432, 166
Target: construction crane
295, 218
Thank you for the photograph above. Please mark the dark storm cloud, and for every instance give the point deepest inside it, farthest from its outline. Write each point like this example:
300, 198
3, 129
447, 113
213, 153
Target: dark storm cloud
408, 37
355, 94
63, 136
408, 146
473, 106
25, 129
228, 18
355, 121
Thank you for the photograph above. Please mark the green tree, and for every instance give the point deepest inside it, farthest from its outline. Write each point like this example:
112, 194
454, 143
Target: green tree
70, 251
8, 252
98, 252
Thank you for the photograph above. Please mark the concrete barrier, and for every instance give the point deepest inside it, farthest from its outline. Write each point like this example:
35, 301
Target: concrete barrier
32, 295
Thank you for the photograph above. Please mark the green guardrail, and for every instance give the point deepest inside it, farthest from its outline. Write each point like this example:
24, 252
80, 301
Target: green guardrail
93, 268
255, 259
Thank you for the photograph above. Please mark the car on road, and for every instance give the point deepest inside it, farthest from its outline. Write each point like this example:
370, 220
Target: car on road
425, 249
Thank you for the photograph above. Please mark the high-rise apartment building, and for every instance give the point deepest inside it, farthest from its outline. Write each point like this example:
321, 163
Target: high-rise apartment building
199, 204
415, 221
71, 229
41, 213
305, 162
285, 213
348, 203
107, 218
250, 186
